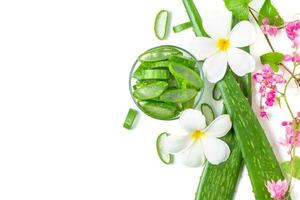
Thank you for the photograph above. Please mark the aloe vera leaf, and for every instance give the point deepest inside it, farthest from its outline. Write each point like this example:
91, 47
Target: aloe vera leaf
257, 152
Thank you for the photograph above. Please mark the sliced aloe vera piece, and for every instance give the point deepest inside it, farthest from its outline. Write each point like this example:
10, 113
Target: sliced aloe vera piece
162, 154
217, 93
188, 104
160, 110
161, 24
138, 73
172, 49
178, 95
187, 75
158, 54
208, 113
150, 90
182, 27
172, 83
183, 60
131, 115
158, 74
160, 64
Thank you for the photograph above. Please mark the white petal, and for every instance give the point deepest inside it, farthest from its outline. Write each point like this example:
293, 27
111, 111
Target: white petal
202, 47
217, 25
175, 143
243, 34
219, 127
193, 156
240, 61
192, 120
214, 67
216, 151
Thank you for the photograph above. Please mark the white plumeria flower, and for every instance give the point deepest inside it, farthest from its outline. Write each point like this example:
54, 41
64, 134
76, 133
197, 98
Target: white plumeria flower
223, 47
201, 142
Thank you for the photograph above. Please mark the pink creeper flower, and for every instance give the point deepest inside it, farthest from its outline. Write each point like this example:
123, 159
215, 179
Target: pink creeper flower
268, 29
292, 136
292, 58
277, 189
267, 81
293, 32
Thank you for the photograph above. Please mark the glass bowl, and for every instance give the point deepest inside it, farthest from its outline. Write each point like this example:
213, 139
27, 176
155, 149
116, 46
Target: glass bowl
198, 66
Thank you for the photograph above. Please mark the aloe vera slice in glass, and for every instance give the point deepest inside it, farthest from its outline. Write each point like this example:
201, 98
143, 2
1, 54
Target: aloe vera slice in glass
178, 95
158, 74
183, 60
187, 75
160, 110
158, 54
159, 64
138, 73
150, 90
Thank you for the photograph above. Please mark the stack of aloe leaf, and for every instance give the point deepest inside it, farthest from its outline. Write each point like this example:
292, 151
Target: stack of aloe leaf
247, 139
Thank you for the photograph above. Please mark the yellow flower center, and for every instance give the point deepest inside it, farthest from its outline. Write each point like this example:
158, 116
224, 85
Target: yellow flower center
223, 44
197, 135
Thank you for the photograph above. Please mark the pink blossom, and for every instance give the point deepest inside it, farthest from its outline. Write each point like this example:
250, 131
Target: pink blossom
268, 29
265, 20
277, 189
294, 58
263, 114
293, 32
292, 137
287, 58
267, 81
284, 123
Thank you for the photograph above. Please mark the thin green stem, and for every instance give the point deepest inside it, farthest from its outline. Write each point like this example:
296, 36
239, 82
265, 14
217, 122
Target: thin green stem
267, 38
285, 98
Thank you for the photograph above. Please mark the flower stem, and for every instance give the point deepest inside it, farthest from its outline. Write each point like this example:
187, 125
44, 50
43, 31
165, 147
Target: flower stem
267, 38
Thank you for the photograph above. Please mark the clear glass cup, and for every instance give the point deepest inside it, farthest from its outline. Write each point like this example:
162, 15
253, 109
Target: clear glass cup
137, 63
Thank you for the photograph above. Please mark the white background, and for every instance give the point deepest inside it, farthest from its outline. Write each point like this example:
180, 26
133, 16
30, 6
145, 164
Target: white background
64, 67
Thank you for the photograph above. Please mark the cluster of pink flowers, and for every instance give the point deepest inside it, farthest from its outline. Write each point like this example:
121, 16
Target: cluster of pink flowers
292, 58
277, 189
268, 29
268, 82
292, 136
293, 32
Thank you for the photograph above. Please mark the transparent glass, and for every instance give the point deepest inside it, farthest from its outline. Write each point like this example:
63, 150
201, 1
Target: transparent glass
137, 63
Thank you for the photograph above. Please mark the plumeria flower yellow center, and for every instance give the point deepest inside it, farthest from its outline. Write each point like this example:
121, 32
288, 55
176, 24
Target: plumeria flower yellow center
223, 44
201, 142
196, 135
223, 47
